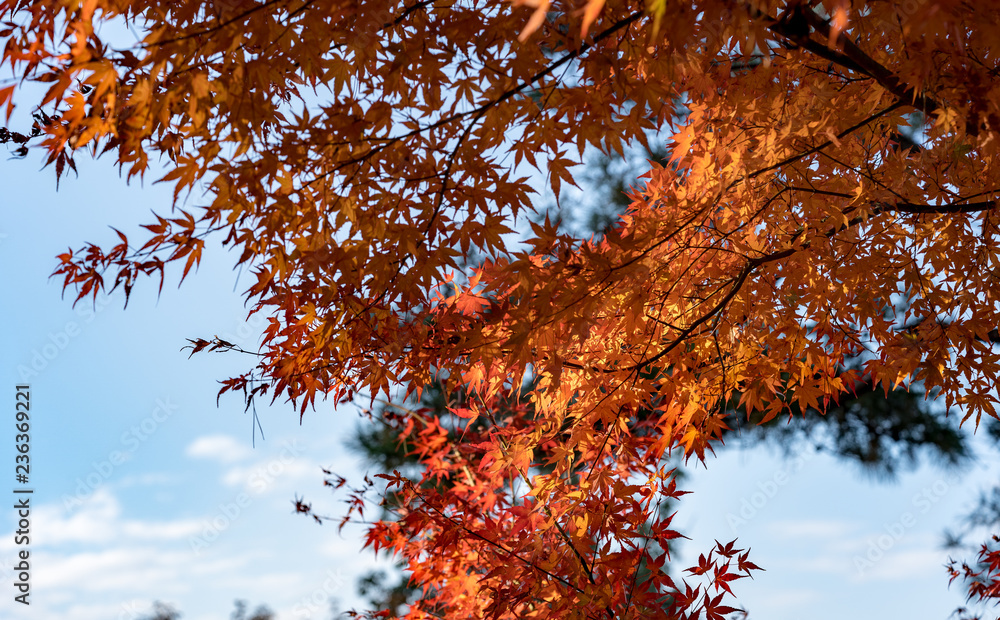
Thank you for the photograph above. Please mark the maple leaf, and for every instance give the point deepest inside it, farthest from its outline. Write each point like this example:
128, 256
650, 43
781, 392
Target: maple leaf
371, 166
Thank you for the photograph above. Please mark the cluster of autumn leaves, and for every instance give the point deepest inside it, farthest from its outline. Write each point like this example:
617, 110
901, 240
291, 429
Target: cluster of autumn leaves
375, 163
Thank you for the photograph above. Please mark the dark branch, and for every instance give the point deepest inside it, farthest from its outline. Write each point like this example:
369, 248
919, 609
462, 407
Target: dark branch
796, 31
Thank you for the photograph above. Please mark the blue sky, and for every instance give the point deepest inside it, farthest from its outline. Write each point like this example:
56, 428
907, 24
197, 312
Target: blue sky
145, 490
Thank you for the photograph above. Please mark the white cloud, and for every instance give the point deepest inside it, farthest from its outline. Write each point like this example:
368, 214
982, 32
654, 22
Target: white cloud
145, 480
97, 521
812, 528
264, 476
116, 569
285, 462
786, 600
222, 448
111, 556
905, 565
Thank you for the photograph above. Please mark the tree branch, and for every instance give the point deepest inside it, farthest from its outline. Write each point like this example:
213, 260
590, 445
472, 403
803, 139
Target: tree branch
852, 57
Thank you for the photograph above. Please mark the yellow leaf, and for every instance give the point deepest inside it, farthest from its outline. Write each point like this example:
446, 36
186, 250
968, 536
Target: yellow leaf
590, 13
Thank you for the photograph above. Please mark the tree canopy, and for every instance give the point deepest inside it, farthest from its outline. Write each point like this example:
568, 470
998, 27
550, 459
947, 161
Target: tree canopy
795, 247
